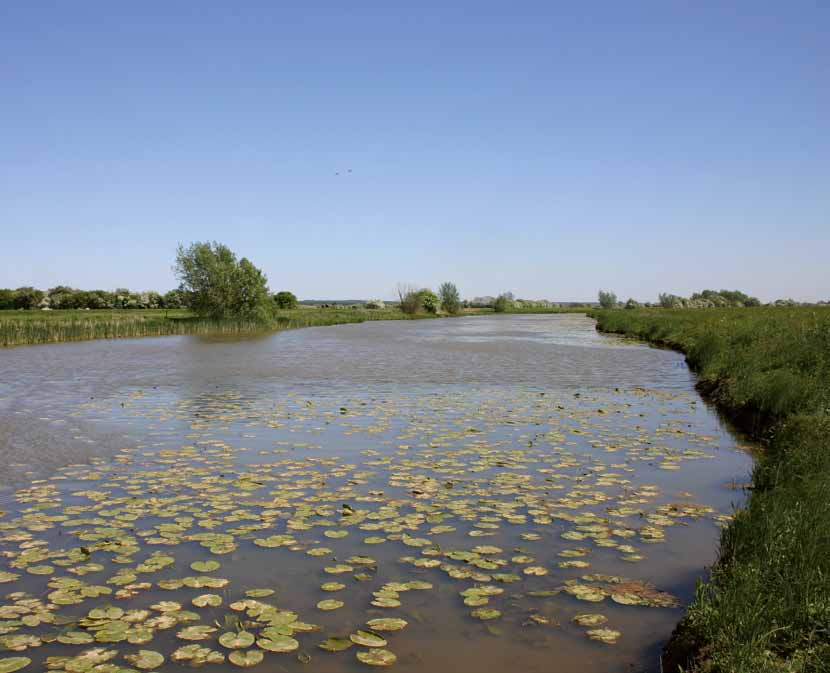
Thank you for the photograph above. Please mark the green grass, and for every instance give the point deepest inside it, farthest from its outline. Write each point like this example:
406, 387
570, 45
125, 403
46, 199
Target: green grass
766, 604
37, 327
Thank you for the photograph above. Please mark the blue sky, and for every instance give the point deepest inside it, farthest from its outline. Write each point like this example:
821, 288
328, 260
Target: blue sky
546, 148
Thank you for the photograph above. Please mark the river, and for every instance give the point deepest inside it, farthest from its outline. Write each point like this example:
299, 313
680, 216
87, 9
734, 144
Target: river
485, 480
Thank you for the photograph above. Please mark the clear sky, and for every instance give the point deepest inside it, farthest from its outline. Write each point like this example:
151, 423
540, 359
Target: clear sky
545, 148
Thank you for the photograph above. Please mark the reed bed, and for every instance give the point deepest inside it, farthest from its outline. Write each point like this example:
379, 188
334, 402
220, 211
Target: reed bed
28, 327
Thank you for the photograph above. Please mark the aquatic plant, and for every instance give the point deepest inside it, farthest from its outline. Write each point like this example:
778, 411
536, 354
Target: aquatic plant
471, 496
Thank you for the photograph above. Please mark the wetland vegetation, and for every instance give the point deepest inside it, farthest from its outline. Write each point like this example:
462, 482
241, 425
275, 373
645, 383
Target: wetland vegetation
766, 606
38, 327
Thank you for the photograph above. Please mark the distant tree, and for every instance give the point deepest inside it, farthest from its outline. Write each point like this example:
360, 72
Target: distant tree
429, 300
450, 298
28, 298
504, 302
218, 285
99, 299
285, 299
6, 299
632, 303
607, 299
409, 299
709, 299
375, 304
174, 299
151, 299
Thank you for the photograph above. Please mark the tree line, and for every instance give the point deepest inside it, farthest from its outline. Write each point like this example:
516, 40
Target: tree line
64, 297
213, 283
705, 299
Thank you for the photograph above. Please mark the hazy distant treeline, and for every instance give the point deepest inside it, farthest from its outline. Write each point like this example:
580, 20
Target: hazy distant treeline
63, 297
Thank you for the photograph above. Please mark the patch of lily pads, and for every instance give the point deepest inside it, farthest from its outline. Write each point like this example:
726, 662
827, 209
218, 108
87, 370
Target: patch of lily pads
501, 506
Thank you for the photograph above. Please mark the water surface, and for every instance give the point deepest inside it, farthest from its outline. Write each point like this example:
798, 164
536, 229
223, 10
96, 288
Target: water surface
539, 467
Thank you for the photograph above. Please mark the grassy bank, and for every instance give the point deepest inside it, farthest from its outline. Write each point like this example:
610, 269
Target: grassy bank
766, 605
36, 327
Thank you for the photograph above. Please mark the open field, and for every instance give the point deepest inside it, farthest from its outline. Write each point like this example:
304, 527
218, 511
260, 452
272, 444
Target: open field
766, 606
34, 327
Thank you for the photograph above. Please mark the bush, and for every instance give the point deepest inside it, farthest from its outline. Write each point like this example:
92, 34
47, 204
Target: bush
504, 302
607, 299
285, 300
429, 300
28, 298
7, 298
218, 285
409, 299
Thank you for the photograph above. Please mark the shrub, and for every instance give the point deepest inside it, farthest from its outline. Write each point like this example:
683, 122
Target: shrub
285, 300
607, 299
429, 300
7, 298
504, 302
409, 299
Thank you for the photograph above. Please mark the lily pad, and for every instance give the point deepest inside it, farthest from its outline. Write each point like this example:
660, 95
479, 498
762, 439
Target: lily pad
205, 600
236, 640
145, 659
386, 624
608, 636
587, 619
330, 604
11, 664
367, 639
245, 659
376, 657
335, 644
486, 614
278, 643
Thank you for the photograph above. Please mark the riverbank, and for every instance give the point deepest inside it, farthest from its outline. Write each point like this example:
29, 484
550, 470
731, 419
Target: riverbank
19, 328
766, 604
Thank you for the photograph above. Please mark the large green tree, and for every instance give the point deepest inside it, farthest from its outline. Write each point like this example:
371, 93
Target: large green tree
220, 286
450, 298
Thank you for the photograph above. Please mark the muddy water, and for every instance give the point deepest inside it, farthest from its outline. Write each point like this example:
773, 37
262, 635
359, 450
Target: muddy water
544, 470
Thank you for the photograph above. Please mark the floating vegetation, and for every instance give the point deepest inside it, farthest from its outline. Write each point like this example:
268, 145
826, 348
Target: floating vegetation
378, 657
228, 534
608, 636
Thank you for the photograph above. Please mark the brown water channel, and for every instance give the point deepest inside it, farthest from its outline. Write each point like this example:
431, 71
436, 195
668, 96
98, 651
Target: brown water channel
484, 479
